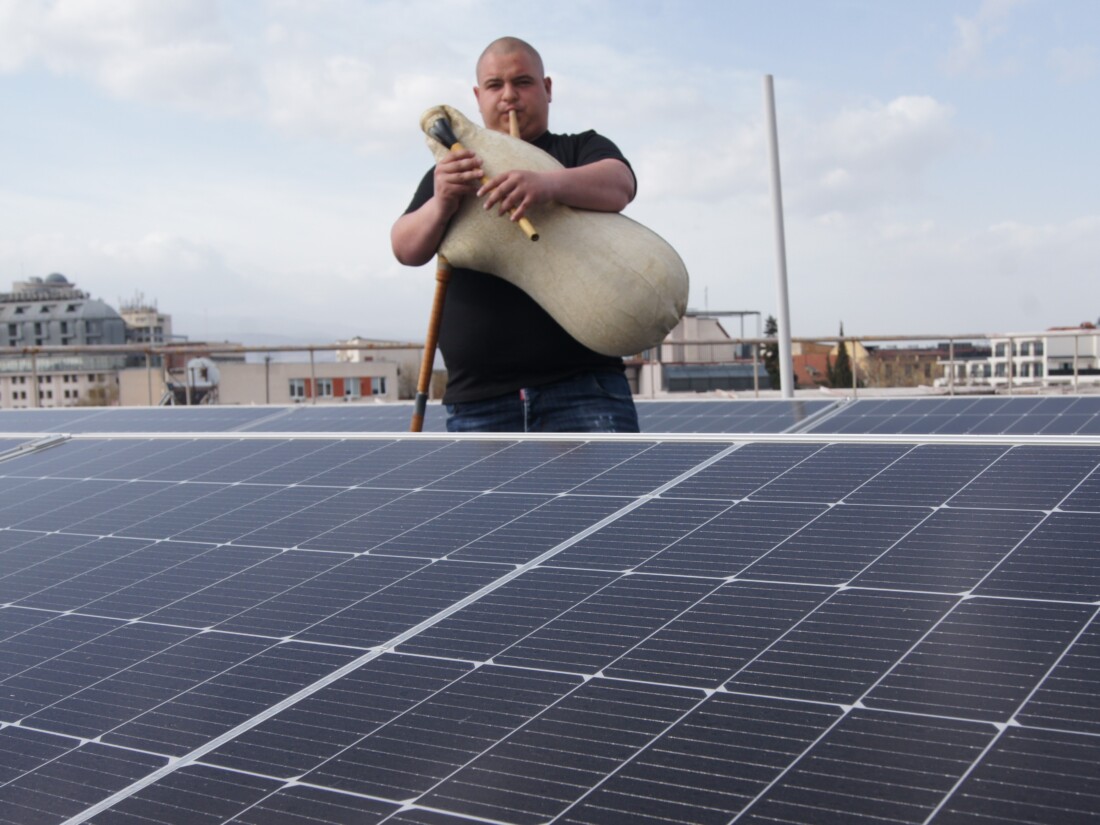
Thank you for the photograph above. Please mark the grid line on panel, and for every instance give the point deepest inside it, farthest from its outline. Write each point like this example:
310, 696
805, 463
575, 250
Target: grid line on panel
951, 551
1063, 700
85, 774
339, 716
837, 545
907, 772
887, 626
328, 515
211, 745
1029, 477
305, 805
538, 769
200, 566
1057, 561
707, 642
982, 660
975, 765
1029, 776
707, 766
406, 512
425, 744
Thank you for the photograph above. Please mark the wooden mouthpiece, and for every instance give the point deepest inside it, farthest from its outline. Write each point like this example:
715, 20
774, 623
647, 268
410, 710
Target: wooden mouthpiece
441, 130
513, 124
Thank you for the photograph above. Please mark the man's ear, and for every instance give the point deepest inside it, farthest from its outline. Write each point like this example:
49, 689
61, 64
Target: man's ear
547, 84
477, 93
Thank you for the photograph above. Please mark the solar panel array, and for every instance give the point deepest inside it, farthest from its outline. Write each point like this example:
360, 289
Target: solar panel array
366, 629
1032, 415
707, 416
958, 415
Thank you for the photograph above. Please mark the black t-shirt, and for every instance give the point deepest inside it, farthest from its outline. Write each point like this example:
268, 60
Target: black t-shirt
494, 338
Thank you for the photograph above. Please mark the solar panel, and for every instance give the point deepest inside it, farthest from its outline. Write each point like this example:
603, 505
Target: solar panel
443, 630
680, 416
132, 419
1000, 415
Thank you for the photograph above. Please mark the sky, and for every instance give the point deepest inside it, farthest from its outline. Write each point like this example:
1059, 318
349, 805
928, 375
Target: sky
240, 163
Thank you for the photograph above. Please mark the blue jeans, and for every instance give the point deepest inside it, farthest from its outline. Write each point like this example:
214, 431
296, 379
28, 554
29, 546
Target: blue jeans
594, 402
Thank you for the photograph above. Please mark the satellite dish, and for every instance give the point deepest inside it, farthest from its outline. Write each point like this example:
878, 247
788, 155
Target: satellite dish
202, 373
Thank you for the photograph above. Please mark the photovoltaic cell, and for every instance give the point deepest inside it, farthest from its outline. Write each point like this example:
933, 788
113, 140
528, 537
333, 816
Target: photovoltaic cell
1029, 478
1067, 699
842, 647
912, 765
67, 785
1029, 776
1058, 561
709, 765
982, 661
836, 546
542, 768
949, 552
413, 753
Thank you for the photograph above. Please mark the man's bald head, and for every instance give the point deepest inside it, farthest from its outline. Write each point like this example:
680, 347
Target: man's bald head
510, 45
510, 79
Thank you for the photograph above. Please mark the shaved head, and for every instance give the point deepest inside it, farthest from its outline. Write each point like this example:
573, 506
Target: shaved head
512, 83
509, 45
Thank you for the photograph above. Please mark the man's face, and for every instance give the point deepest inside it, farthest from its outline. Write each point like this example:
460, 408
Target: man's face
513, 80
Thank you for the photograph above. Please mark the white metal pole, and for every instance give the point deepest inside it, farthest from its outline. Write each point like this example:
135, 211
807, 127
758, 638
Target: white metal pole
783, 321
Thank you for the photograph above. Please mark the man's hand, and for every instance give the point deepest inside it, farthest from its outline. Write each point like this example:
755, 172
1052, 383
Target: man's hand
604, 186
457, 176
416, 236
516, 190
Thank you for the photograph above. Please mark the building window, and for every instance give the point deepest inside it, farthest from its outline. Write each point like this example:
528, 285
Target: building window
324, 388
351, 388
1037, 349
297, 388
378, 385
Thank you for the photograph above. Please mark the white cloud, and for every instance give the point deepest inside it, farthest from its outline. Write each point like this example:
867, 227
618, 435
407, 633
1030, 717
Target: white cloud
865, 157
975, 35
1074, 65
171, 51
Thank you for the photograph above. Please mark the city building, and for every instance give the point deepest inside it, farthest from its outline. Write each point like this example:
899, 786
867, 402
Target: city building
145, 324
361, 350
1066, 357
699, 355
203, 380
52, 312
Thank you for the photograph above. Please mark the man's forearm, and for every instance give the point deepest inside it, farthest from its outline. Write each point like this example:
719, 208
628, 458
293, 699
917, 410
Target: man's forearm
604, 186
416, 236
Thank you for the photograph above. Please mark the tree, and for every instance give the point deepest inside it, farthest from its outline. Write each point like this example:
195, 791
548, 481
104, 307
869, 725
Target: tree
770, 352
840, 370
